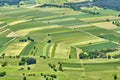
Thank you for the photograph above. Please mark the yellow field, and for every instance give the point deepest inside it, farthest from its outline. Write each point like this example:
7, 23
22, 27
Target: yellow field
15, 48
105, 25
13, 34
78, 50
98, 18
62, 51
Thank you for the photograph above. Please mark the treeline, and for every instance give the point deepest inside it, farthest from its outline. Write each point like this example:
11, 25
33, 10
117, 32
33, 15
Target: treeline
74, 6
77, 5
9, 2
112, 4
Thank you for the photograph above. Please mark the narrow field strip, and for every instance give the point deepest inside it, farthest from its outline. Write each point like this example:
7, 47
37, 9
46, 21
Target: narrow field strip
9, 41
99, 46
73, 69
48, 50
98, 18
72, 40
5, 45
27, 49
59, 20
18, 22
73, 53
41, 47
51, 49
24, 32
45, 50
62, 51
87, 42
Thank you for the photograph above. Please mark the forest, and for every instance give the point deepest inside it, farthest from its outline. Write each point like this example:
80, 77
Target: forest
112, 4
9, 2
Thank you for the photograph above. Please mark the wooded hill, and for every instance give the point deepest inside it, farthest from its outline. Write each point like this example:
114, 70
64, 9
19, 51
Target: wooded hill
9, 2
112, 4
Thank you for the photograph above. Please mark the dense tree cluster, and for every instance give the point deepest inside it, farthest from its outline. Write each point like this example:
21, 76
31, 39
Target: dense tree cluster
117, 23
49, 76
2, 74
60, 66
52, 66
9, 2
112, 4
23, 40
77, 5
96, 54
29, 38
74, 6
90, 12
4, 64
27, 60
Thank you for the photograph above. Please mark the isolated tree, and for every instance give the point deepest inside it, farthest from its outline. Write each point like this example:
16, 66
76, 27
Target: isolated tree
48, 22
28, 68
119, 15
4, 64
115, 77
109, 57
2, 74
107, 20
63, 13
24, 78
23, 74
34, 47
49, 41
17, 56
47, 78
48, 34
60, 66
55, 69
113, 22
41, 74
3, 55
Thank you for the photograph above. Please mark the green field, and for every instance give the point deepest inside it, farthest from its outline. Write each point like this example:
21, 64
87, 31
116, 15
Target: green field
101, 46
61, 40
